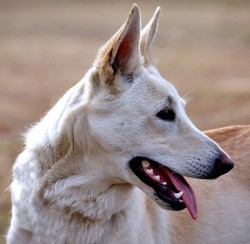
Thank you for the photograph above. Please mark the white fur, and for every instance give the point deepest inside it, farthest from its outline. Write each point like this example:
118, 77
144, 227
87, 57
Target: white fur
72, 183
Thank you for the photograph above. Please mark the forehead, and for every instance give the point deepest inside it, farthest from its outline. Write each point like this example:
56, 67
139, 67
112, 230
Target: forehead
154, 86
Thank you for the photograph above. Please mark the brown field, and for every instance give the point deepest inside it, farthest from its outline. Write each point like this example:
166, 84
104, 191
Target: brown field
47, 46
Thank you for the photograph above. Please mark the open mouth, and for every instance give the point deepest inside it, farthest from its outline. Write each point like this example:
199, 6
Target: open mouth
169, 186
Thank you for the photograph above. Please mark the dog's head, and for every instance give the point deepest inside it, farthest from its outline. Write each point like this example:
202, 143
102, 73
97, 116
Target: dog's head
138, 122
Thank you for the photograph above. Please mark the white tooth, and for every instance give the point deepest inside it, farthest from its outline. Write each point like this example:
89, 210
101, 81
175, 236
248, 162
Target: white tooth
164, 183
145, 164
180, 200
178, 194
157, 177
150, 171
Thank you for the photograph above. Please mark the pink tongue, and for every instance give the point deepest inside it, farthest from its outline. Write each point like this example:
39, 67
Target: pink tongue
188, 194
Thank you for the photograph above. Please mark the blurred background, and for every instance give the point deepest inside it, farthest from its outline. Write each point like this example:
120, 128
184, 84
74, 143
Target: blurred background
202, 47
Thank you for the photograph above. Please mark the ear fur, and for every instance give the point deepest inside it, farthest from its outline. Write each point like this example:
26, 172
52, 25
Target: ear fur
148, 35
121, 53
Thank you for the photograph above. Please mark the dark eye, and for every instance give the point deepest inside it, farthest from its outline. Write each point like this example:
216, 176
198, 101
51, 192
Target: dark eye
166, 114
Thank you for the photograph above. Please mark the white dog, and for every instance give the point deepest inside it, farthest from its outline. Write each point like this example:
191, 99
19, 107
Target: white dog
106, 163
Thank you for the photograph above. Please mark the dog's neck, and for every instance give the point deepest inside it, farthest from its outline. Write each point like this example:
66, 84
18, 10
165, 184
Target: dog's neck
81, 203
73, 185
88, 194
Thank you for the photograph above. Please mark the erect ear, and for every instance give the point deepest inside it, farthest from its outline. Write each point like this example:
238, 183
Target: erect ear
148, 35
121, 53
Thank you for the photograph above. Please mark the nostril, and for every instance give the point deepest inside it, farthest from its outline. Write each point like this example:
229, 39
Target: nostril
224, 164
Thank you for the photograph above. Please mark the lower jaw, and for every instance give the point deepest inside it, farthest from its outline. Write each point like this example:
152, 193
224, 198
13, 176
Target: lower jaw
169, 204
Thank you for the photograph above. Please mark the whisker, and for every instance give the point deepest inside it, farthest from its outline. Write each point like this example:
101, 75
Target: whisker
188, 97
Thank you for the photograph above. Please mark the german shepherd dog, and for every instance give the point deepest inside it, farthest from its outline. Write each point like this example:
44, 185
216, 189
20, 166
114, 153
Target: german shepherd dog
107, 161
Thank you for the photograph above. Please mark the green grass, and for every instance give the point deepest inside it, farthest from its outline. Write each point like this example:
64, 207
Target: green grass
4, 223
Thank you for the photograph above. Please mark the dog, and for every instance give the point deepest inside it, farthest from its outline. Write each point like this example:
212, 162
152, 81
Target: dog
224, 211
107, 161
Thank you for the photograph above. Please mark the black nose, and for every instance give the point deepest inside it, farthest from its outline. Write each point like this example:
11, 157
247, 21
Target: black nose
223, 164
